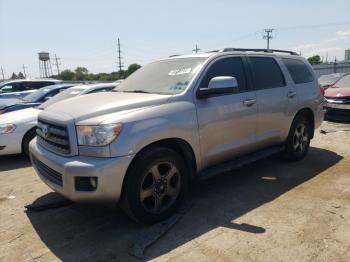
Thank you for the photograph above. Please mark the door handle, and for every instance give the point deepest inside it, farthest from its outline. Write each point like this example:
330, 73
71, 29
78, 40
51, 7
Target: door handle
249, 102
291, 94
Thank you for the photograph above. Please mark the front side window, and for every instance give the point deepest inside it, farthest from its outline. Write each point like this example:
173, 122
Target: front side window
297, 69
266, 73
11, 87
166, 77
231, 66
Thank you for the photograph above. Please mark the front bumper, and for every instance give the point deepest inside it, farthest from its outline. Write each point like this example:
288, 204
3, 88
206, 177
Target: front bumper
10, 143
110, 173
337, 111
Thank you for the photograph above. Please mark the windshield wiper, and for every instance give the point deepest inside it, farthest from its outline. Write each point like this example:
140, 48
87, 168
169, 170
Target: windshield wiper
137, 91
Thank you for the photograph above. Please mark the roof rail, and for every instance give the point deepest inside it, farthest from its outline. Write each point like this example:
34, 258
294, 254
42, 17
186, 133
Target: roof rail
230, 49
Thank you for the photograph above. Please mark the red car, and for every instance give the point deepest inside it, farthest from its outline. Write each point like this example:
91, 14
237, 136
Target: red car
337, 100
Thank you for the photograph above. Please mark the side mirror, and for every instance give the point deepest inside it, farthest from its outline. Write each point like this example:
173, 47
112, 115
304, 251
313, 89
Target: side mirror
47, 98
219, 85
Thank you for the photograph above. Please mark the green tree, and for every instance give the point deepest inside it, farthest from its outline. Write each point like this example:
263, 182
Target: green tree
132, 68
20, 75
81, 73
14, 76
66, 75
314, 60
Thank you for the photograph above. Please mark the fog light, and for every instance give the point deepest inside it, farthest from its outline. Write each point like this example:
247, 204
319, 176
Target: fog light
86, 183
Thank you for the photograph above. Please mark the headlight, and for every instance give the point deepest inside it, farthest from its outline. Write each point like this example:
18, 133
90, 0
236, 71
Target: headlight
98, 135
7, 128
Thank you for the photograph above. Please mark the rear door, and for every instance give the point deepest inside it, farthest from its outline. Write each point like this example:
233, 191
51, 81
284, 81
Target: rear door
273, 103
227, 122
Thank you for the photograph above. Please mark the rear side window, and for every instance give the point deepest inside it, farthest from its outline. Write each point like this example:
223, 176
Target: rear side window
231, 66
299, 72
36, 85
266, 73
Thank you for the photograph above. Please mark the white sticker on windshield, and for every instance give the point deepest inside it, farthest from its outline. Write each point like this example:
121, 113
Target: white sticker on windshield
180, 71
74, 92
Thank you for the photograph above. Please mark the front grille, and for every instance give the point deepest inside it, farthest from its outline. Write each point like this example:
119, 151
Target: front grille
47, 172
340, 99
54, 137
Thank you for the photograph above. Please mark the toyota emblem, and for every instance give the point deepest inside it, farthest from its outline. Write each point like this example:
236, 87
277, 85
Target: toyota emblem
45, 130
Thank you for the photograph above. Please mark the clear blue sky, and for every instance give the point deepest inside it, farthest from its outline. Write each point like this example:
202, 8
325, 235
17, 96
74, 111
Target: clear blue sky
84, 33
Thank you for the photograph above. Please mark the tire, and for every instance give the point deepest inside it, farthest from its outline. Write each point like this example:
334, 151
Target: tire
298, 141
155, 185
26, 140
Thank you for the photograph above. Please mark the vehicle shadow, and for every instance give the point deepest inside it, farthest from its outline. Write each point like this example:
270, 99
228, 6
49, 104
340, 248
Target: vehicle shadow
13, 162
97, 233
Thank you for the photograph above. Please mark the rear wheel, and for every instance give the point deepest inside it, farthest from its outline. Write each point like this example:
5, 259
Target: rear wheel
155, 185
26, 140
298, 141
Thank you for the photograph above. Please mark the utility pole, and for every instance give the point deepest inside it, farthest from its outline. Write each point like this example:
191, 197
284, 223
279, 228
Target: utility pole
119, 57
57, 64
196, 49
268, 36
24, 70
2, 72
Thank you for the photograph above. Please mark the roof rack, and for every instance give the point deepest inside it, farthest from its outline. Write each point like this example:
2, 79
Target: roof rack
230, 49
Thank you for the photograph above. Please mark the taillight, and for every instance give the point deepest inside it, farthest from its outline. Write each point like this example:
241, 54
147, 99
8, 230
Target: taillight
322, 90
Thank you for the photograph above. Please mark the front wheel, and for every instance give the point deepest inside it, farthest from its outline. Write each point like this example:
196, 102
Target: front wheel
298, 141
155, 185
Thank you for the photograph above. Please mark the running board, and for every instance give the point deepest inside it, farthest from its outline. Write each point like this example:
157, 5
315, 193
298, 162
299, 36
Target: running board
239, 162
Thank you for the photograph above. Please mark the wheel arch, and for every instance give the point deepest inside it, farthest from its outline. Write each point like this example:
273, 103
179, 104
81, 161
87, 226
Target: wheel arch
179, 145
33, 129
309, 114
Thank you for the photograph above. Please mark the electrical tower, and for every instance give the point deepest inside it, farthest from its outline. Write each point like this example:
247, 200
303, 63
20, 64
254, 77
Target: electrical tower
2, 72
120, 64
24, 71
57, 64
268, 36
196, 49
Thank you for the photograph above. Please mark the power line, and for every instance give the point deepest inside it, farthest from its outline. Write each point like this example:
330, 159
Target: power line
24, 70
119, 57
196, 49
57, 64
268, 36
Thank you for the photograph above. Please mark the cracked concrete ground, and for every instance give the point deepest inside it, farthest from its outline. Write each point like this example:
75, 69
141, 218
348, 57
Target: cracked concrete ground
268, 211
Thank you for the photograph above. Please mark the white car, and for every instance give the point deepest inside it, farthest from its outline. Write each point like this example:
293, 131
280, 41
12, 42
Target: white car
18, 128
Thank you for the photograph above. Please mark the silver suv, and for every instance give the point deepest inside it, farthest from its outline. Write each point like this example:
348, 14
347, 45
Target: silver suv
177, 120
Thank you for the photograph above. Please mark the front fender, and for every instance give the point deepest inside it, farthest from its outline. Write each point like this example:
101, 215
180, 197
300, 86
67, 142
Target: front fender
144, 127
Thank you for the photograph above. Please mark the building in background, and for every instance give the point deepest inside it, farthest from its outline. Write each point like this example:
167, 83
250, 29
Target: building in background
347, 55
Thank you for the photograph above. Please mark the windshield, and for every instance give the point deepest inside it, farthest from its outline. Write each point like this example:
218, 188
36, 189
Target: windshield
344, 82
328, 80
70, 92
37, 95
162, 77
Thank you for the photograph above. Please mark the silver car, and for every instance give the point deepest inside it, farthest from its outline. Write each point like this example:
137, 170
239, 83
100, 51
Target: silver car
176, 120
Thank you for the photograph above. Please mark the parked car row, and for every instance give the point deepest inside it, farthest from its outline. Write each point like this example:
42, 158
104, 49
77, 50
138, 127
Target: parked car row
18, 128
172, 121
337, 96
23, 87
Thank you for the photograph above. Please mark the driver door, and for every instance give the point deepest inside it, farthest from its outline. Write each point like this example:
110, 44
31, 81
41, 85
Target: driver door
227, 123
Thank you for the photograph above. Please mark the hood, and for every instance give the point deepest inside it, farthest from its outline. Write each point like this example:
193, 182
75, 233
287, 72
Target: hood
337, 92
20, 116
93, 105
9, 102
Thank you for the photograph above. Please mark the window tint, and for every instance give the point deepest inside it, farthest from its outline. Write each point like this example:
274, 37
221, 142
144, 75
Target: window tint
36, 85
232, 66
299, 72
12, 87
266, 73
